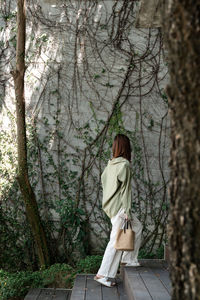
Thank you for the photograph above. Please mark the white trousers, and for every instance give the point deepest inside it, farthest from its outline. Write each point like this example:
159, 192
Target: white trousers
112, 257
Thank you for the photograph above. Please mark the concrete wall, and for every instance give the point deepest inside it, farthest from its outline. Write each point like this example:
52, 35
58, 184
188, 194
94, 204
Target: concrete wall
78, 57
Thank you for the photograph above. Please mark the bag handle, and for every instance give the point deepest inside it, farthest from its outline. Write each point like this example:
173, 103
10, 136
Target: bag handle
126, 224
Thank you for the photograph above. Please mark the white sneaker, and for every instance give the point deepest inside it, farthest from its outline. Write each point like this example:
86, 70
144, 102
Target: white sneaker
105, 281
133, 264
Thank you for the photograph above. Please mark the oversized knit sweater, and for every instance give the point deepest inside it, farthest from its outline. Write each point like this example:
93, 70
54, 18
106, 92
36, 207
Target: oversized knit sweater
116, 187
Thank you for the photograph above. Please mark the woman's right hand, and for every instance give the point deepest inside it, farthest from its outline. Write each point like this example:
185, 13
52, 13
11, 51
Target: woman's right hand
126, 217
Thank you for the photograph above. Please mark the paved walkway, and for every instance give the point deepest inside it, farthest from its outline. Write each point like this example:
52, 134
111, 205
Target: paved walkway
149, 282
48, 294
86, 288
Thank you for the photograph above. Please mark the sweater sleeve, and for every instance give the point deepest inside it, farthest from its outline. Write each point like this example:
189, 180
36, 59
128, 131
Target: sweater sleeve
124, 177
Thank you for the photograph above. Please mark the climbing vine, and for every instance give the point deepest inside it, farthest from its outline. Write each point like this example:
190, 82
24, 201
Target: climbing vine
90, 75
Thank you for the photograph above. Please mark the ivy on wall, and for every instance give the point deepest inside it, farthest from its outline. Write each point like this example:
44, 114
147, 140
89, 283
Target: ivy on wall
94, 82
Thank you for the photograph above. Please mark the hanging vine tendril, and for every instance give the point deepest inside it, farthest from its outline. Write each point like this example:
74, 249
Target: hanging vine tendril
90, 75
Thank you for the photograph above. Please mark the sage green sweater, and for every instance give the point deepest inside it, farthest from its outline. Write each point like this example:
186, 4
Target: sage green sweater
116, 187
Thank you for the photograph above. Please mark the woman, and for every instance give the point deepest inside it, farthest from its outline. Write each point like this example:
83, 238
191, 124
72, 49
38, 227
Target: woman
116, 182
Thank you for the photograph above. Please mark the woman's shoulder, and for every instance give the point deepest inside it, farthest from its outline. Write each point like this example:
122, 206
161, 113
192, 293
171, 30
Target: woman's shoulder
125, 165
119, 161
121, 164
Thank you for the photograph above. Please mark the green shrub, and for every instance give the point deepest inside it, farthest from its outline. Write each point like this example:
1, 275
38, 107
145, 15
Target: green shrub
16, 285
158, 254
89, 265
59, 275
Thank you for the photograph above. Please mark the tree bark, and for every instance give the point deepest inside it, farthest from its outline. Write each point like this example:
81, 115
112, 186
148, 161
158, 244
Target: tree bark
23, 179
181, 29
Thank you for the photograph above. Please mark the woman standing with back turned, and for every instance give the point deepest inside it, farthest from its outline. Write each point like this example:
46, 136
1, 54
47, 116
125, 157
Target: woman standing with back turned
116, 182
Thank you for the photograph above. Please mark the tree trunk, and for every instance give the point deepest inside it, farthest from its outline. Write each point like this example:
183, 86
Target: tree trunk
23, 179
181, 28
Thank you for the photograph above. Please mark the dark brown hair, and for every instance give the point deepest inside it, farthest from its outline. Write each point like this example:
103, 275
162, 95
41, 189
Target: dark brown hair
121, 147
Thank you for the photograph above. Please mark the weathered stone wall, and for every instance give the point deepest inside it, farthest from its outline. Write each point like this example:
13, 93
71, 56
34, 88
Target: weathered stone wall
91, 73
